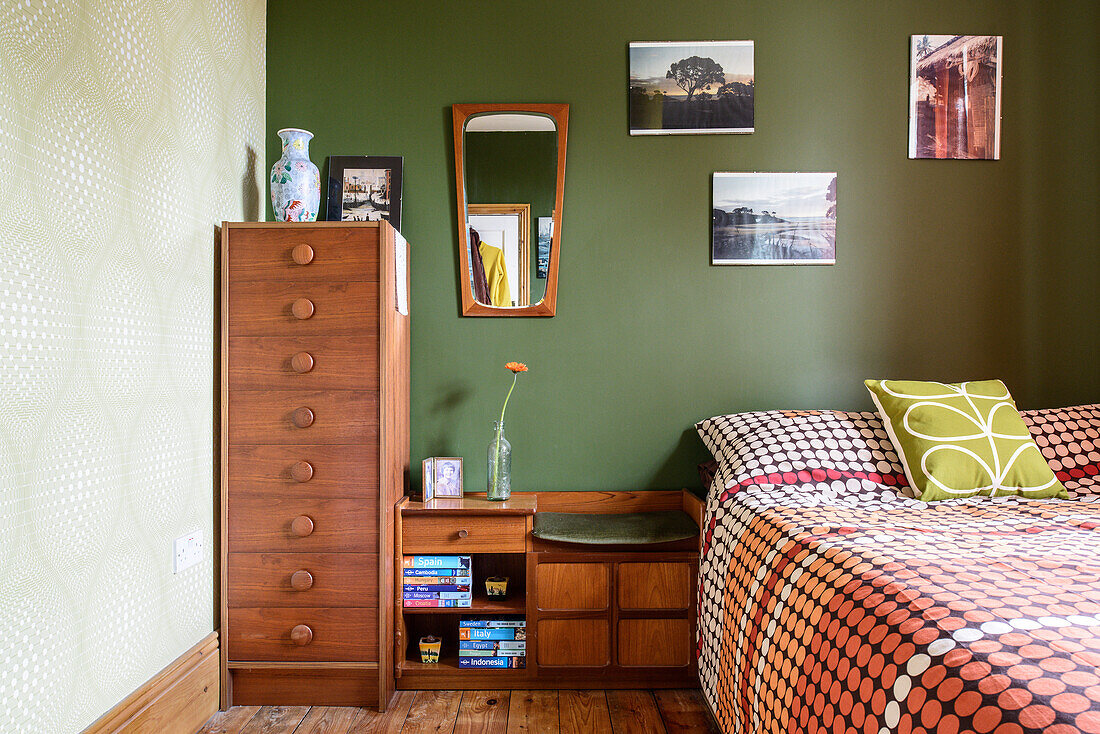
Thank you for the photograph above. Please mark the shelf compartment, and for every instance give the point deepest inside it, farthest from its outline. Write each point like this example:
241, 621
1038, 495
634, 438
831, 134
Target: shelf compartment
481, 605
514, 566
445, 627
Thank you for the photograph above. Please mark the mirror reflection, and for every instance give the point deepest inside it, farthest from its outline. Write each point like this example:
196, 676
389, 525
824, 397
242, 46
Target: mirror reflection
511, 164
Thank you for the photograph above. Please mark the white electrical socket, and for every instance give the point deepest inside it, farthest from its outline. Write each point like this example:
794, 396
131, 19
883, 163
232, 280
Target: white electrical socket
188, 551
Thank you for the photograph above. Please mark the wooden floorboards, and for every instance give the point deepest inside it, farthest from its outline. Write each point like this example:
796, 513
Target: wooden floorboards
485, 712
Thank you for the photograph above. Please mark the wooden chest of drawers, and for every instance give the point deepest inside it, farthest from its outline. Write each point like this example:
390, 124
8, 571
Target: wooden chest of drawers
314, 455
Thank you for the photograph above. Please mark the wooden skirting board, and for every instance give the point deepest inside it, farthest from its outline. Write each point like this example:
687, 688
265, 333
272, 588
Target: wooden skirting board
177, 700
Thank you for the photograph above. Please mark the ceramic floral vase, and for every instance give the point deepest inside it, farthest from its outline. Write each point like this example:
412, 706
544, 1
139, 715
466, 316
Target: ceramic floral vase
295, 181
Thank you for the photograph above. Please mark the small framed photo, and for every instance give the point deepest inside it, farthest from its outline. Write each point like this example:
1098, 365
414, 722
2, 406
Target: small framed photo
364, 189
427, 494
447, 476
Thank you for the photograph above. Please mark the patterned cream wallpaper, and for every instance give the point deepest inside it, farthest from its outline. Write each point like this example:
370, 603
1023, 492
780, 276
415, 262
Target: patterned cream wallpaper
128, 130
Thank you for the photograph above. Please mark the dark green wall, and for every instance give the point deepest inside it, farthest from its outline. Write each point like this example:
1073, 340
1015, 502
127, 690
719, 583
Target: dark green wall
946, 270
515, 168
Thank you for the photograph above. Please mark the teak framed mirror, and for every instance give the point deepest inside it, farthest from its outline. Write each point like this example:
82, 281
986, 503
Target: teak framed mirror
510, 174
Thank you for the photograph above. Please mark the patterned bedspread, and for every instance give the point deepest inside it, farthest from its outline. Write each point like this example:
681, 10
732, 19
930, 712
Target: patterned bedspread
839, 605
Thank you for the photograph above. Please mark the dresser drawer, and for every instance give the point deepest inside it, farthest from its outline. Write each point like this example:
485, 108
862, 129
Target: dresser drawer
656, 585
302, 524
302, 634
481, 534
303, 416
334, 254
653, 643
303, 579
275, 308
304, 471
303, 362
572, 587
574, 642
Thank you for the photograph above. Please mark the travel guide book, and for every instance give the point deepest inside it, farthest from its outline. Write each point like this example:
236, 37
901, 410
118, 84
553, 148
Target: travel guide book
452, 562
492, 633
466, 661
437, 603
504, 647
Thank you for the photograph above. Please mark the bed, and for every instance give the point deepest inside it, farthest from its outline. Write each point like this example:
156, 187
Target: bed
830, 600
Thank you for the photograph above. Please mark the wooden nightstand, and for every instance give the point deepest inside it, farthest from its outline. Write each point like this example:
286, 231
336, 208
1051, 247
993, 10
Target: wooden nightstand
495, 535
598, 616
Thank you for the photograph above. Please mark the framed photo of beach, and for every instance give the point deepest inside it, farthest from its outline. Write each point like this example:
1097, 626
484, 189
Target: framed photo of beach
364, 189
773, 219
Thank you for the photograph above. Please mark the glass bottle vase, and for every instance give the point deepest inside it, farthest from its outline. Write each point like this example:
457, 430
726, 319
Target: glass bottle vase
499, 465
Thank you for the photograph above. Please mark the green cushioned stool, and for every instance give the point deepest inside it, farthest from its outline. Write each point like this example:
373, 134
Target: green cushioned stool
632, 528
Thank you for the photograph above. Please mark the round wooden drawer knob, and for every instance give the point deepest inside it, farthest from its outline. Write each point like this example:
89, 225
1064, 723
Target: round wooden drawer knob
301, 580
302, 417
301, 635
302, 526
302, 308
301, 471
302, 254
463, 533
301, 362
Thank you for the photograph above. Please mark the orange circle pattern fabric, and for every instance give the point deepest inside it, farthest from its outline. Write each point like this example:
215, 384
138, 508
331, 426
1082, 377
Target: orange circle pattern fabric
1069, 439
834, 603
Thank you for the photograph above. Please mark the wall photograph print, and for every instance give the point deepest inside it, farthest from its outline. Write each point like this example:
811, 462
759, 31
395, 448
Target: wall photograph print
692, 87
955, 97
364, 189
773, 219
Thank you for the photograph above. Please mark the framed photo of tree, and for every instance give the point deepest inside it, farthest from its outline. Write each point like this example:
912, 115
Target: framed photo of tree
691, 88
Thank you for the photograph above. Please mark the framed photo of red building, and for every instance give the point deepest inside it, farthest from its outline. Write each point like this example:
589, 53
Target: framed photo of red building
955, 97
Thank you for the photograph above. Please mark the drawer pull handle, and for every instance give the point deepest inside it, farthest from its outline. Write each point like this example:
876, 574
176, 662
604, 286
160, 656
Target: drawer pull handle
463, 533
301, 471
301, 635
302, 417
302, 526
302, 308
301, 362
301, 580
302, 254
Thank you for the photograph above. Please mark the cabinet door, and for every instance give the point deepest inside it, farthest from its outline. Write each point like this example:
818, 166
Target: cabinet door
574, 642
573, 587
653, 643
655, 585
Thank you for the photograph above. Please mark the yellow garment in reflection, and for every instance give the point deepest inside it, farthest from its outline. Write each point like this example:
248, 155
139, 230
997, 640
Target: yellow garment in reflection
495, 274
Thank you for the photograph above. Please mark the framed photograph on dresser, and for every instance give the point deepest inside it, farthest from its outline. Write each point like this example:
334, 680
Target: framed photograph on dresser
447, 476
428, 493
364, 189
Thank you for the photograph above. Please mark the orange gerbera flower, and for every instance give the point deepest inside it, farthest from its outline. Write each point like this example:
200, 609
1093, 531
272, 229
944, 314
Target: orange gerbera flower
516, 366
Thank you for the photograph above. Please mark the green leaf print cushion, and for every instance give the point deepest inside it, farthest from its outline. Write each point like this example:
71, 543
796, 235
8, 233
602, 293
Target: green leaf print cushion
962, 440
